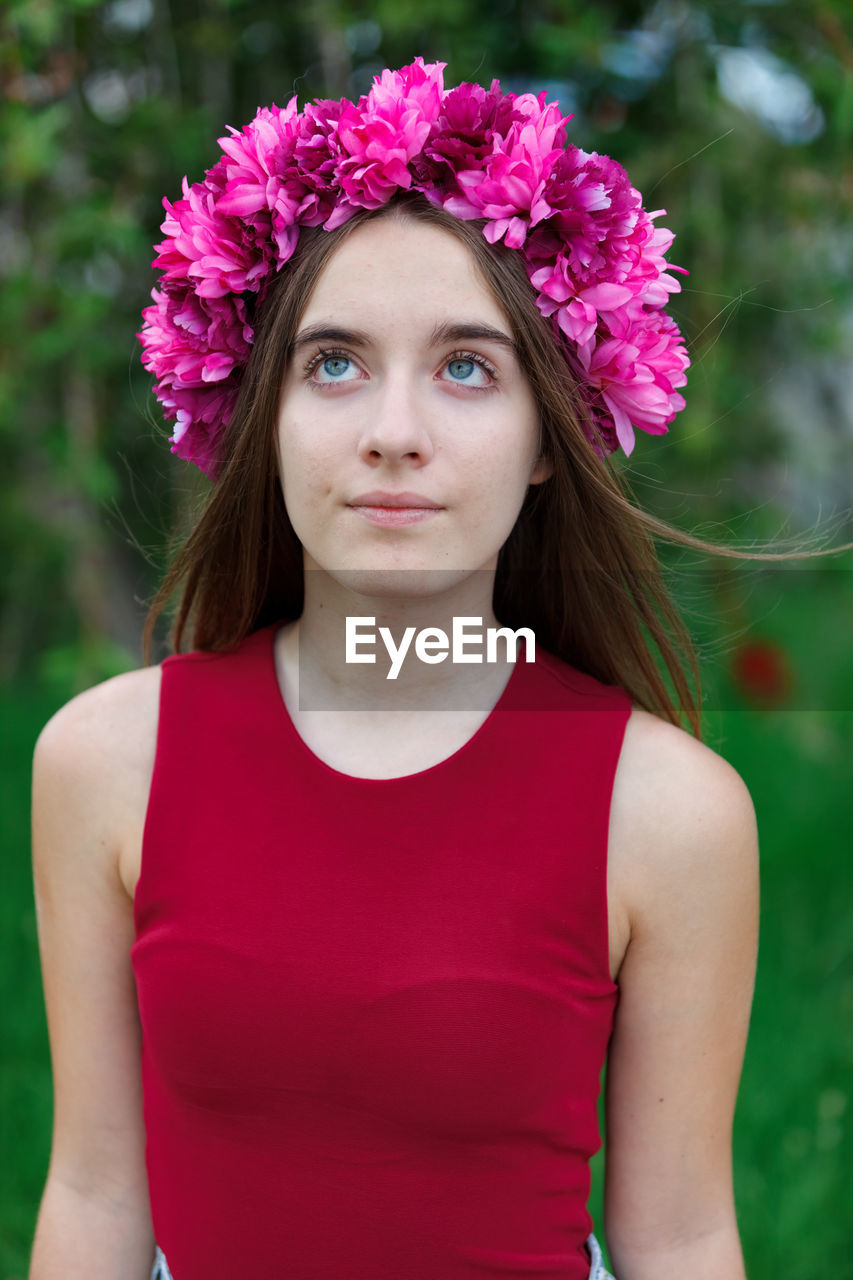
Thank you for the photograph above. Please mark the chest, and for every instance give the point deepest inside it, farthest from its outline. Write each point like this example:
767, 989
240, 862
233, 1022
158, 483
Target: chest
400, 951
501, 806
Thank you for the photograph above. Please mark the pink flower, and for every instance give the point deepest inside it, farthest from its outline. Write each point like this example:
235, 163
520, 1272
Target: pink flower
194, 347
578, 316
660, 284
462, 135
509, 187
255, 159
385, 131
315, 156
592, 253
587, 239
189, 340
199, 427
636, 368
280, 168
221, 253
599, 251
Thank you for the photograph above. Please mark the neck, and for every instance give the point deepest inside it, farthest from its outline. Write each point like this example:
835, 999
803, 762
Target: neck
399, 617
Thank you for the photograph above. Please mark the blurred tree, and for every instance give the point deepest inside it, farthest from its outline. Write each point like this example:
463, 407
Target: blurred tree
735, 117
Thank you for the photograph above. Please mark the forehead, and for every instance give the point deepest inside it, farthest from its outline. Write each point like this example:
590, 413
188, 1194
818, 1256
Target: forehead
393, 269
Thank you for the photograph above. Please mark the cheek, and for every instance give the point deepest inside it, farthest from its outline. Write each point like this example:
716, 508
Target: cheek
507, 455
305, 464
294, 445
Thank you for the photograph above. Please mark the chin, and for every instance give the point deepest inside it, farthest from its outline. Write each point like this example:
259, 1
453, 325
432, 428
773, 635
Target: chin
396, 582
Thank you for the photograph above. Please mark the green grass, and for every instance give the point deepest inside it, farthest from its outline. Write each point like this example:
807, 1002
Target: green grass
25, 1080
792, 1144
793, 1150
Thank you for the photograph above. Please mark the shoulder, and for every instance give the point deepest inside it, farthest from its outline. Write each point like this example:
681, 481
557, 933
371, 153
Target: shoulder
685, 840
103, 721
670, 779
94, 758
682, 821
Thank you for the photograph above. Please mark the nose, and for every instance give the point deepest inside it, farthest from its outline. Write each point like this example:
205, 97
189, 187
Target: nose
398, 428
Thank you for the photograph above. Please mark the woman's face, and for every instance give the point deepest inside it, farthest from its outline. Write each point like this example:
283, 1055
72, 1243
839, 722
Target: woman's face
404, 381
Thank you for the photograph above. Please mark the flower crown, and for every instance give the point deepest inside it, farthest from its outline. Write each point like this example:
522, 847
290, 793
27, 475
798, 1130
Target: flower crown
591, 251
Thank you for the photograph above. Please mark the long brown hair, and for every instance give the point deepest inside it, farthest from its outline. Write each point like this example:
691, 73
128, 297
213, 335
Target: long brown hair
580, 566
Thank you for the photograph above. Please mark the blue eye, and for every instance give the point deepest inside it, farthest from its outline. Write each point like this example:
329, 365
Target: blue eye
328, 367
335, 366
461, 368
464, 368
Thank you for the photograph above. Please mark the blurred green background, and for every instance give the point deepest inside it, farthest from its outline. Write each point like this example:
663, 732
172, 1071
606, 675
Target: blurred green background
736, 118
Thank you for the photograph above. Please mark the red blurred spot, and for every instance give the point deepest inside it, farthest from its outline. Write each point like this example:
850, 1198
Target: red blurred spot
762, 673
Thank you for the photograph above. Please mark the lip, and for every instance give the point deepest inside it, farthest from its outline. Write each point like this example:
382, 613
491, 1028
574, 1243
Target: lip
378, 498
395, 517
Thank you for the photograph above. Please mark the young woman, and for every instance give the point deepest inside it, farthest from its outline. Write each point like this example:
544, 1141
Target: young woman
332, 960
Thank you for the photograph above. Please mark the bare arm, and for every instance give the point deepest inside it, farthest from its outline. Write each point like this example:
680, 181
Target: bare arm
686, 987
94, 1220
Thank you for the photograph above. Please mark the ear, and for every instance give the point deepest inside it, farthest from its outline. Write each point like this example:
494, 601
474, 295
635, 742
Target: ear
543, 469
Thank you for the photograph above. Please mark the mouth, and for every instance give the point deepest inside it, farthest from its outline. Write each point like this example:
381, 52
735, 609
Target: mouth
381, 498
394, 510
393, 517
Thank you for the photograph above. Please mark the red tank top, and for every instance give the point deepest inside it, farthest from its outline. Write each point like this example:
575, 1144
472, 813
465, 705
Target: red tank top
374, 1012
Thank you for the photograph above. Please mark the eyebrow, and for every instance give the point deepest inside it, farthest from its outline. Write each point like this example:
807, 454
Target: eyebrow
441, 334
